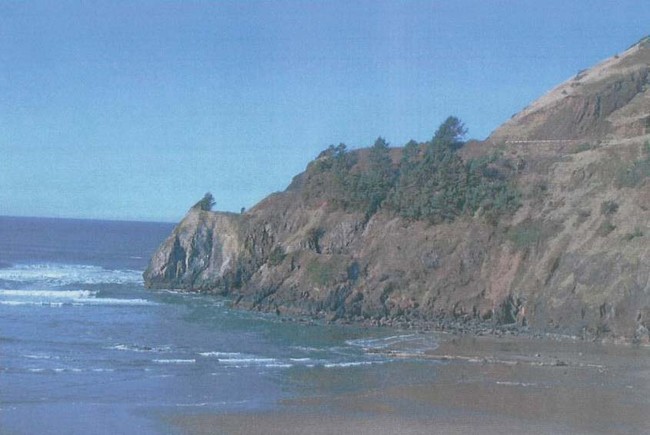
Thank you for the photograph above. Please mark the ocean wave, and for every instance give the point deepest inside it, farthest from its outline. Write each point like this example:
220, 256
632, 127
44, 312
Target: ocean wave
221, 354
138, 348
350, 364
61, 298
240, 360
40, 356
251, 361
380, 343
79, 303
33, 303
234, 360
51, 294
112, 301
174, 361
414, 343
68, 370
68, 274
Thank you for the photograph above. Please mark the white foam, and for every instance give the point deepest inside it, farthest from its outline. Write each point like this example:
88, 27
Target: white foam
221, 354
42, 303
380, 343
68, 370
174, 361
239, 360
349, 364
250, 361
53, 294
414, 343
112, 301
59, 298
40, 356
236, 359
123, 347
77, 302
136, 348
67, 274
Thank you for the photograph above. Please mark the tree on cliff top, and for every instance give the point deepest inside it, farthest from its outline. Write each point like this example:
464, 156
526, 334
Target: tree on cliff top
206, 203
450, 135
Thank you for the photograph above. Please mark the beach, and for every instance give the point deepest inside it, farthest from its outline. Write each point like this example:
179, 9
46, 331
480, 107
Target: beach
483, 385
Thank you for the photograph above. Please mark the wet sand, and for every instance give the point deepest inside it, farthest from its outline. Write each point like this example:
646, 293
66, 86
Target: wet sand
483, 385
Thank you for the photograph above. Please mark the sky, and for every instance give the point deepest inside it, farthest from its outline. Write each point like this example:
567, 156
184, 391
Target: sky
132, 110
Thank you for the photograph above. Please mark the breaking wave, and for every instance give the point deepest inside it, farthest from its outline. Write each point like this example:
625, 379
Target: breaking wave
52, 274
60, 298
413, 343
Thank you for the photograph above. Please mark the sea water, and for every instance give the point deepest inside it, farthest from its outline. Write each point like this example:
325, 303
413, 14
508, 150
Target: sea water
85, 348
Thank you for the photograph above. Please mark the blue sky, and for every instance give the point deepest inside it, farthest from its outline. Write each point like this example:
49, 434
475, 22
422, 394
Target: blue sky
133, 110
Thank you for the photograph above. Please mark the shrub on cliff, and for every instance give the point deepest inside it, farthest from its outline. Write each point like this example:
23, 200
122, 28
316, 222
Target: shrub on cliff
206, 203
277, 256
639, 170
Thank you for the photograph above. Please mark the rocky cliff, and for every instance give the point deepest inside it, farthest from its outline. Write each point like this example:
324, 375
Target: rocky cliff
574, 258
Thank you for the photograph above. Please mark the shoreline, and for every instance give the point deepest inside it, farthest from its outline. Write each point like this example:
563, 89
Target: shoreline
481, 385
470, 327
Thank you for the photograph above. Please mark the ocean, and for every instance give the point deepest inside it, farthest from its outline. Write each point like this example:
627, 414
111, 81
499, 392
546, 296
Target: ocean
85, 348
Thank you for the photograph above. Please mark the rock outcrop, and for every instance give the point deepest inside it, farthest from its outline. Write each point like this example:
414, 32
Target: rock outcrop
573, 259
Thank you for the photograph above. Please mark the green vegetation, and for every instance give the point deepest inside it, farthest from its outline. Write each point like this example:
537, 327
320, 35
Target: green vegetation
583, 215
321, 274
525, 234
375, 183
605, 228
430, 183
313, 239
608, 208
585, 146
206, 203
276, 256
637, 172
636, 233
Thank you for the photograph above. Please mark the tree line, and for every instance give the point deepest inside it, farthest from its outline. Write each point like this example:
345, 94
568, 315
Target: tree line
431, 182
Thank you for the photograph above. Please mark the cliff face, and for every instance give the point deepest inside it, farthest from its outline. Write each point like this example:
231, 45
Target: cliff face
202, 252
573, 259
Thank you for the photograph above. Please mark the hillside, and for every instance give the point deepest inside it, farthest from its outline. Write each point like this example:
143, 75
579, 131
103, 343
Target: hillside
544, 226
608, 101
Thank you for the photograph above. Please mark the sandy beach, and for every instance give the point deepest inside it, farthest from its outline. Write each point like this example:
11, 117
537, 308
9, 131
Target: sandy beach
482, 385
